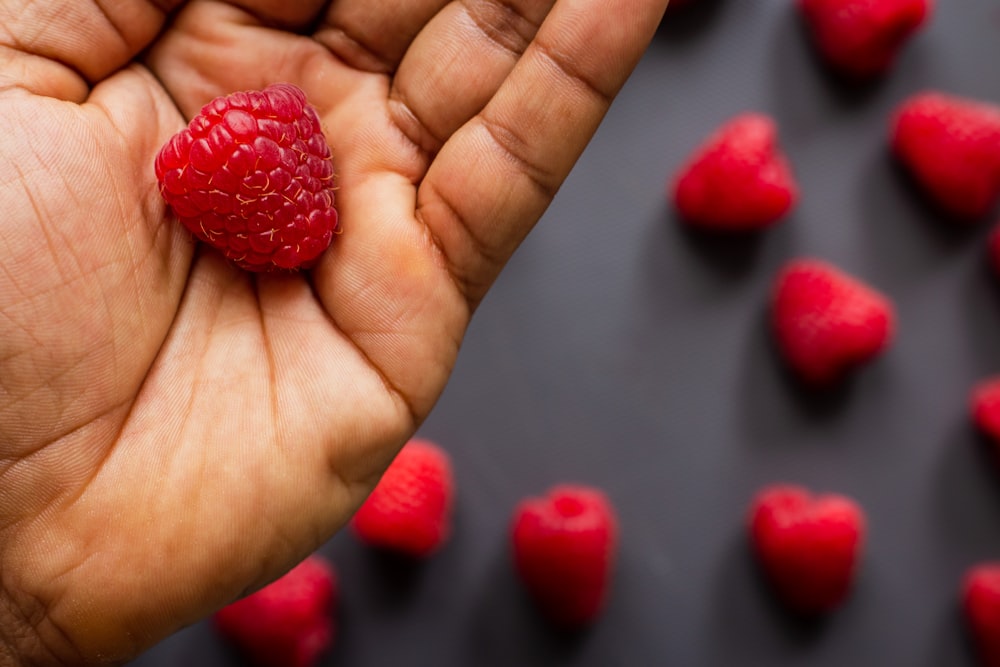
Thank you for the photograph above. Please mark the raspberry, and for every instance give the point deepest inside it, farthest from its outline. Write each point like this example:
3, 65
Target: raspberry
738, 179
861, 38
981, 608
409, 511
808, 547
251, 175
564, 547
826, 323
288, 623
951, 147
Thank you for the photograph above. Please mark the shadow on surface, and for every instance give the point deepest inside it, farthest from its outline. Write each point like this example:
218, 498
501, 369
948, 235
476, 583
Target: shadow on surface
952, 644
748, 625
734, 254
393, 577
981, 293
966, 491
946, 226
796, 65
768, 375
504, 627
683, 23
893, 208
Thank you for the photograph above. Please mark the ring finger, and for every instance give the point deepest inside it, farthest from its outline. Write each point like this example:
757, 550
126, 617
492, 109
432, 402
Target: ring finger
457, 63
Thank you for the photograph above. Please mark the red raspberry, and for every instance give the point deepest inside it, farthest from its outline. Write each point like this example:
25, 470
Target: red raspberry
288, 623
808, 547
951, 147
251, 175
410, 509
565, 546
826, 322
738, 179
981, 607
861, 38
985, 407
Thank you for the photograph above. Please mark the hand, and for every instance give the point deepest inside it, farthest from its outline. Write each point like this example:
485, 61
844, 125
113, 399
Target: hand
173, 431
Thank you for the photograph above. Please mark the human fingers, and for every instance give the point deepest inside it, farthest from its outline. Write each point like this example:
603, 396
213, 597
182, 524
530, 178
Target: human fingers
494, 177
61, 48
457, 63
373, 36
214, 48
295, 15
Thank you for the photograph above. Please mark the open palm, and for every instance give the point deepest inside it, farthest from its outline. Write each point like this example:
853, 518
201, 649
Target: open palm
174, 431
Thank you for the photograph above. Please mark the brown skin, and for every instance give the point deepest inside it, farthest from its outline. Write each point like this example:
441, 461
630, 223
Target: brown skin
174, 432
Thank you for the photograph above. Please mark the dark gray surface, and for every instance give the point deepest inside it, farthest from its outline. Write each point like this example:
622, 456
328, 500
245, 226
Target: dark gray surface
621, 351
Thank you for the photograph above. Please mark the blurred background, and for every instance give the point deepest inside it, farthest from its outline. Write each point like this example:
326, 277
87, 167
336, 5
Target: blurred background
621, 350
